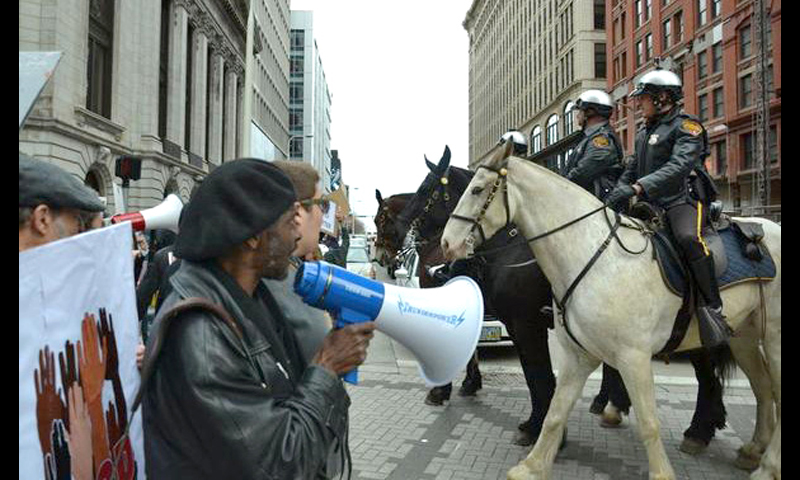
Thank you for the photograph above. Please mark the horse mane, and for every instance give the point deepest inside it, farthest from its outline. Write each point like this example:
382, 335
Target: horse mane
573, 191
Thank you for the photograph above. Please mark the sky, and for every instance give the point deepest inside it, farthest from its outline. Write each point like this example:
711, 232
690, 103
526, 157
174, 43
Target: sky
398, 73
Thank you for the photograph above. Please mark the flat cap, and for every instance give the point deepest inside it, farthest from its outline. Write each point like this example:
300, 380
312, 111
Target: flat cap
237, 201
44, 183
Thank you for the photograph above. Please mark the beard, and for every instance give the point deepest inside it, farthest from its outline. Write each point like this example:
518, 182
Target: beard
277, 262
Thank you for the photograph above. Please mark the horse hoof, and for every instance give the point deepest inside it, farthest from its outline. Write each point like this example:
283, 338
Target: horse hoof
692, 446
469, 388
436, 397
611, 418
746, 460
524, 438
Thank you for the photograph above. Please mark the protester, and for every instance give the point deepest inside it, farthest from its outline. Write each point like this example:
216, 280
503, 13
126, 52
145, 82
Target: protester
310, 324
154, 281
228, 394
52, 204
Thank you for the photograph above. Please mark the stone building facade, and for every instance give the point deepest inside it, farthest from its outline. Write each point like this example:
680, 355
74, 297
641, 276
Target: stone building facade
159, 80
529, 60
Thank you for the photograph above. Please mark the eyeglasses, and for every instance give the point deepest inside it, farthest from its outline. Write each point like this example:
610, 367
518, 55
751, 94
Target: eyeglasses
323, 202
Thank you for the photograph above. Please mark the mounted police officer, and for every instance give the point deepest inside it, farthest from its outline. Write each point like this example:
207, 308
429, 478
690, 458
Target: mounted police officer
595, 164
668, 171
517, 140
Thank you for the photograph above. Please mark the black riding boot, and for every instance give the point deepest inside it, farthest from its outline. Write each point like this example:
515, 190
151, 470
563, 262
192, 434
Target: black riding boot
473, 381
714, 331
541, 384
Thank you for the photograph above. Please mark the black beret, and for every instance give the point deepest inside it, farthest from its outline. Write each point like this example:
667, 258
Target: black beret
237, 201
43, 183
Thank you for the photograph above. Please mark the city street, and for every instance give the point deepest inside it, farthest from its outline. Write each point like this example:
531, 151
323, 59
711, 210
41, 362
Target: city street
394, 435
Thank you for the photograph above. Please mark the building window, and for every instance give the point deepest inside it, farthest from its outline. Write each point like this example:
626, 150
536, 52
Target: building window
296, 147
719, 103
298, 40
702, 107
716, 58
721, 154
552, 130
600, 60
296, 119
599, 14
748, 150
536, 139
98, 72
667, 30
746, 91
702, 65
640, 53
702, 10
648, 41
569, 123
716, 8
745, 43
678, 25
296, 65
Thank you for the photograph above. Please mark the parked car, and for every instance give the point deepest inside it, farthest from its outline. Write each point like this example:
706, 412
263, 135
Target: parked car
493, 331
358, 262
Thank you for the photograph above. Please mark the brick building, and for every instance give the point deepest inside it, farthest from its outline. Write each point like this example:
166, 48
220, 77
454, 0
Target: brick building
711, 44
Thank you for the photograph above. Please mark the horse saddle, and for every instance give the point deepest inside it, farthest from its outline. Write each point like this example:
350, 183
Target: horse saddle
739, 256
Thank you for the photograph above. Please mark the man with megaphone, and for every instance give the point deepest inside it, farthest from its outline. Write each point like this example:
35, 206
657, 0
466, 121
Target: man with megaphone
225, 389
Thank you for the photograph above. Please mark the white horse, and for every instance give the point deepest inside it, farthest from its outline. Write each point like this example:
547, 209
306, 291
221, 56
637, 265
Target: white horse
621, 312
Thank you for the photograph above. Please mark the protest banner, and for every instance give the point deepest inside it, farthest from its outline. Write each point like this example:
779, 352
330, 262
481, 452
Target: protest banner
78, 333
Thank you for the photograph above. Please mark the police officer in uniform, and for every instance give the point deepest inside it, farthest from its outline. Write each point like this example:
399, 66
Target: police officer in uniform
668, 171
595, 164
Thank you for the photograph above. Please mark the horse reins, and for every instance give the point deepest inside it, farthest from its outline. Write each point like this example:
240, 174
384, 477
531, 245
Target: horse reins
502, 179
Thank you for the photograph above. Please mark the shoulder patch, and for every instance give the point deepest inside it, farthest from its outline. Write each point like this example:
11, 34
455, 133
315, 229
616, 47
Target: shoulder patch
600, 141
691, 127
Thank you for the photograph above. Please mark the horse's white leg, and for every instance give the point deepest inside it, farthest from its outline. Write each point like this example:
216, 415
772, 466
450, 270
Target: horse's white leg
637, 373
749, 358
771, 460
572, 376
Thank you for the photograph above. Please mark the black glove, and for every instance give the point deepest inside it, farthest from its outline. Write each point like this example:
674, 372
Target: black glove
618, 199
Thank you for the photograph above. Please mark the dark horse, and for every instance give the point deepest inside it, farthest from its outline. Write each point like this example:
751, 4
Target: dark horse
515, 288
505, 261
388, 240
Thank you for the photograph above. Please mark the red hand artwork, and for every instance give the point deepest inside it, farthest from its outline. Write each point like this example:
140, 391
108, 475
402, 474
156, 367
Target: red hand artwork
49, 406
92, 361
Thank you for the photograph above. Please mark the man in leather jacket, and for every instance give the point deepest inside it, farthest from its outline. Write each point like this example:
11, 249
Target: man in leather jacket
666, 171
595, 164
230, 395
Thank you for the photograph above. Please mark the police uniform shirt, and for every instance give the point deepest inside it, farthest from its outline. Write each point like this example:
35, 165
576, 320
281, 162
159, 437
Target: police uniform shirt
593, 156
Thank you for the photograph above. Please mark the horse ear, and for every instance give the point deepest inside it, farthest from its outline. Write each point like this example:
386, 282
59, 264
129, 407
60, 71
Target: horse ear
444, 163
378, 196
502, 153
431, 166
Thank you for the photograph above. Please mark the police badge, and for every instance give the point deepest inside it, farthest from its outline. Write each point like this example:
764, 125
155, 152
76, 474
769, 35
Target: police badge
653, 139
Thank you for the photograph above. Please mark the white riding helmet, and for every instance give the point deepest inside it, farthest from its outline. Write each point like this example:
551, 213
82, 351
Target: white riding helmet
657, 81
598, 100
518, 139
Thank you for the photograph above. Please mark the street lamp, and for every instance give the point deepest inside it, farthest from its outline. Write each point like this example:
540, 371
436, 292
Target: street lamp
289, 143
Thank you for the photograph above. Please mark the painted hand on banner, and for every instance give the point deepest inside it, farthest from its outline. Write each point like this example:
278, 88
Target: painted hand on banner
80, 435
61, 454
92, 361
49, 405
112, 367
69, 373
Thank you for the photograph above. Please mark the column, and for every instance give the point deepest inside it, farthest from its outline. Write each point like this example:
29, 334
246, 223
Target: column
177, 75
199, 86
231, 113
216, 71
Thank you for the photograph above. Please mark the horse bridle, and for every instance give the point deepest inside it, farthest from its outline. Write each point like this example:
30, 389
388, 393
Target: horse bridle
502, 180
432, 198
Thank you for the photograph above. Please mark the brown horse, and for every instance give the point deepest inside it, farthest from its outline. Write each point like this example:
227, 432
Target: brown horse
388, 241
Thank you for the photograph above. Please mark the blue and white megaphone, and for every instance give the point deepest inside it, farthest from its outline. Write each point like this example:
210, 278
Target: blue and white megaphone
440, 326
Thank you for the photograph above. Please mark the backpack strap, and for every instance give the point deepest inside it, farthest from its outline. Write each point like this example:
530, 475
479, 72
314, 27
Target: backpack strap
159, 337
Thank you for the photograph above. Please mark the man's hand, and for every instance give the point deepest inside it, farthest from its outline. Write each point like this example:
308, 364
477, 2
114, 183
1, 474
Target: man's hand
346, 348
618, 198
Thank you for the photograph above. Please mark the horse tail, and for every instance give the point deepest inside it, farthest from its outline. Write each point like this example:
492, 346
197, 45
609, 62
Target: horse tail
724, 363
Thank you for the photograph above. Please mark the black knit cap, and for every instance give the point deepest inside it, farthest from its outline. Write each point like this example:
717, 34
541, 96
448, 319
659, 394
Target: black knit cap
238, 200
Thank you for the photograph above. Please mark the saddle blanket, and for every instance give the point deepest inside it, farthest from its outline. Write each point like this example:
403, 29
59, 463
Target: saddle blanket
740, 268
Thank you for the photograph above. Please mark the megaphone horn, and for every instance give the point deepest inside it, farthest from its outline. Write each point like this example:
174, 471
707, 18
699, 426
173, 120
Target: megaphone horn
440, 326
165, 215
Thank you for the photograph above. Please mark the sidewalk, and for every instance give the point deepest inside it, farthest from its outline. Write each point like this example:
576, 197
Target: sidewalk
394, 435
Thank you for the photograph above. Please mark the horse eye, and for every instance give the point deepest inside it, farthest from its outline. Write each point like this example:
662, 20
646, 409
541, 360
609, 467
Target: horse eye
477, 190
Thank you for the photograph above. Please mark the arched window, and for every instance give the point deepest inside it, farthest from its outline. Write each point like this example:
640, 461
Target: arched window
569, 119
552, 130
536, 139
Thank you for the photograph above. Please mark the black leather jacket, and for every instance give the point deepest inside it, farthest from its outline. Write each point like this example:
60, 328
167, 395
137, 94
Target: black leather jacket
218, 407
596, 162
667, 152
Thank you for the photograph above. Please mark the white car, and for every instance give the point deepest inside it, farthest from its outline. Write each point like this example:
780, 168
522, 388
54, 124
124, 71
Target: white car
358, 262
493, 331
